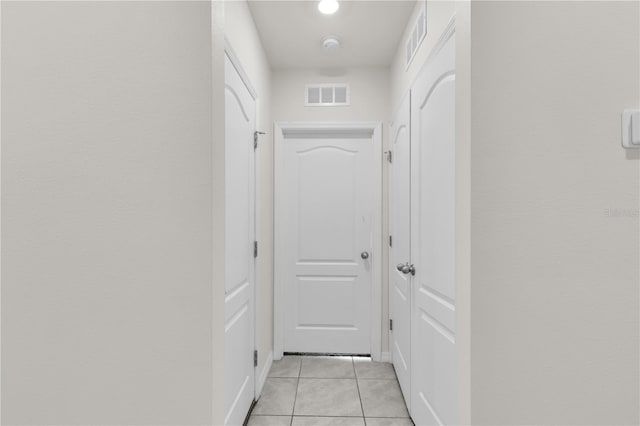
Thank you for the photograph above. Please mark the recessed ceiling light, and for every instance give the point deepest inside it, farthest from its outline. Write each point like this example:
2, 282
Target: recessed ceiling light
328, 7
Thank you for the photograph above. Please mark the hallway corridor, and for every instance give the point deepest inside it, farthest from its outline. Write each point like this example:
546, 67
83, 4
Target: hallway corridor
192, 189
346, 391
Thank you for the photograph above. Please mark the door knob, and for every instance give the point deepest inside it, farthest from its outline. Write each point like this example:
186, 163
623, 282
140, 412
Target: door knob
364, 255
406, 268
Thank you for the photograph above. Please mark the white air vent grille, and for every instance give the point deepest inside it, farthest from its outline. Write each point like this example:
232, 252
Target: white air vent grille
332, 94
417, 35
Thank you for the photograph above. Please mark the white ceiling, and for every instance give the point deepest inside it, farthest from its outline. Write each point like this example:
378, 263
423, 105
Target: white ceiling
292, 32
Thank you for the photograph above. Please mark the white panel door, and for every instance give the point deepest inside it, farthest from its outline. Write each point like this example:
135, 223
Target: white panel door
433, 395
326, 191
239, 237
399, 252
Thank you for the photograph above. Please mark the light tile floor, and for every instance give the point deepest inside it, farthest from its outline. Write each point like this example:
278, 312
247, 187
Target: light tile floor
341, 391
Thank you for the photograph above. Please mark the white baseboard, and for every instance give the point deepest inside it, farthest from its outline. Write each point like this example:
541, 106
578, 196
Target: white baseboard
264, 374
385, 357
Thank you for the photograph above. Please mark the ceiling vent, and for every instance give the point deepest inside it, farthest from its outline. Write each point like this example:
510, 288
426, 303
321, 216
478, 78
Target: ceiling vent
333, 94
417, 35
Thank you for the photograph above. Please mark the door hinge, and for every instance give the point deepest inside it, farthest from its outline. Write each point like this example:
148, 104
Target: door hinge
390, 241
255, 139
255, 358
389, 156
390, 324
255, 249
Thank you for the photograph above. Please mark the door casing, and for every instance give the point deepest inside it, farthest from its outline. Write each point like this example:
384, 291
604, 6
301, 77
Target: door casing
376, 255
400, 285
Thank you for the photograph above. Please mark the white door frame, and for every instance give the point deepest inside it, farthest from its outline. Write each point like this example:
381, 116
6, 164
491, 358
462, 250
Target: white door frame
392, 200
376, 256
258, 382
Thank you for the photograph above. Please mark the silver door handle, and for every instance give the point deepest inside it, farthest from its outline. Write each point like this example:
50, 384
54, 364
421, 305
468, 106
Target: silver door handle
364, 255
406, 268
409, 269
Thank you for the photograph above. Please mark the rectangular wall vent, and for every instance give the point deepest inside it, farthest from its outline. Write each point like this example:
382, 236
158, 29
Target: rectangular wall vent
417, 35
330, 94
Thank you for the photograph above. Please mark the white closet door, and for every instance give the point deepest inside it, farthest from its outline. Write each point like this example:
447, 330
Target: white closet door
433, 395
399, 252
239, 237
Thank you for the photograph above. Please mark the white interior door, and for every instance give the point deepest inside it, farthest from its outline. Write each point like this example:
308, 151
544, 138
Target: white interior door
399, 252
327, 213
433, 395
239, 237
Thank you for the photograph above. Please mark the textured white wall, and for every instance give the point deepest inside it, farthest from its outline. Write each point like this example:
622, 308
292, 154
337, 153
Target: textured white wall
554, 289
369, 93
106, 213
218, 219
241, 32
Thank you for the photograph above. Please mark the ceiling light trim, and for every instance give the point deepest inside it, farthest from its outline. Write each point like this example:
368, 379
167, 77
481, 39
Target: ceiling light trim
328, 7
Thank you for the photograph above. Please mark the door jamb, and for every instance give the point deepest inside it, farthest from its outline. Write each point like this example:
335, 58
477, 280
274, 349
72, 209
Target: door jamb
376, 256
390, 266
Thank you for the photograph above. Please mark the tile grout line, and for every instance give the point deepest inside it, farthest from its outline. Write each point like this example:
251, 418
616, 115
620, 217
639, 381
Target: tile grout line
295, 398
353, 363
